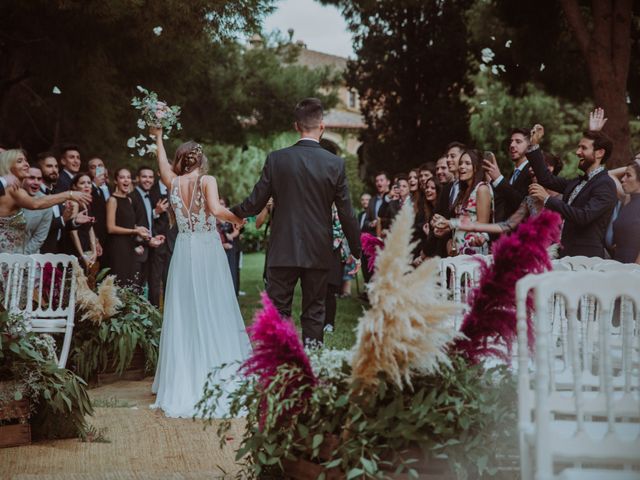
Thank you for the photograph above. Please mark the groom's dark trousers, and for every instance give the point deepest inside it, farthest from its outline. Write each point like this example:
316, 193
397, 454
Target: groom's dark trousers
304, 181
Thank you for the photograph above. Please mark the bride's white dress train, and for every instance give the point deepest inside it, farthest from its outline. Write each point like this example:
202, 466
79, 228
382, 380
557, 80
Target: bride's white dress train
202, 325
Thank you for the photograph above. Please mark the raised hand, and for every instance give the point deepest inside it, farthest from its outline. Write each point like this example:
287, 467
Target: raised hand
162, 206
156, 132
537, 132
81, 198
491, 168
82, 218
538, 192
597, 119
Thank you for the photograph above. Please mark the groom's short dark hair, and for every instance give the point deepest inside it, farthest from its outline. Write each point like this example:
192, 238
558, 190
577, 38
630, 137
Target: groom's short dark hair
308, 114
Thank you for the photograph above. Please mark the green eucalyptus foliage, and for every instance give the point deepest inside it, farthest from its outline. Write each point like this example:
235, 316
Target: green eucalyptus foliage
467, 413
112, 343
58, 397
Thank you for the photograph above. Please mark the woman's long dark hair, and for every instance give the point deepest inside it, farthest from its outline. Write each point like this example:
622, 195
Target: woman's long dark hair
429, 209
478, 176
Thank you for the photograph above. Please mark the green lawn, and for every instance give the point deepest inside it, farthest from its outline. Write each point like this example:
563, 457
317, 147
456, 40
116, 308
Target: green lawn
349, 309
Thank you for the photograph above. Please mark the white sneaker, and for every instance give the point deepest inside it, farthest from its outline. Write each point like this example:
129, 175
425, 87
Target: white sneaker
241, 293
328, 328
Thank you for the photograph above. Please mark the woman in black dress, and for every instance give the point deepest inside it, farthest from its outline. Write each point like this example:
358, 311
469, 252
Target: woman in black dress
82, 240
122, 229
626, 228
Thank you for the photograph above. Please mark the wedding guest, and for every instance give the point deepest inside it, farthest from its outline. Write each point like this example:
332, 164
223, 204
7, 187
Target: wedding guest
475, 203
425, 172
100, 194
443, 175
82, 241
365, 198
510, 193
448, 196
13, 236
587, 201
38, 221
340, 266
7, 181
71, 163
393, 203
626, 227
122, 229
428, 242
50, 174
382, 184
162, 225
147, 210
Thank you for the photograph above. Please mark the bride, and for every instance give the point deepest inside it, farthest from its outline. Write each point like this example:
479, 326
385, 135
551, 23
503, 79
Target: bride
202, 326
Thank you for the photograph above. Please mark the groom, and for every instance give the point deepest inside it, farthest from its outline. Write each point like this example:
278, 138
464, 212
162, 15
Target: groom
304, 181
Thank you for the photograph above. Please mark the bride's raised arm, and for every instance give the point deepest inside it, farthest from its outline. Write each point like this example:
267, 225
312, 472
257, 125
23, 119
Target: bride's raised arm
166, 172
210, 190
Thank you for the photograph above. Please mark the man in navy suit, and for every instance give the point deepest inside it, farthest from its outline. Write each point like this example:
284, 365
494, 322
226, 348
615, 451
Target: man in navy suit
70, 163
587, 201
510, 192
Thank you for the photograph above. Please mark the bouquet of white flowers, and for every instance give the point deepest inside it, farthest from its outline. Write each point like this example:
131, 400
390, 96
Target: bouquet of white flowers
154, 113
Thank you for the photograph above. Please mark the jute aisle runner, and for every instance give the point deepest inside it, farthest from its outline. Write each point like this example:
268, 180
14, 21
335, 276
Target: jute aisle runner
143, 445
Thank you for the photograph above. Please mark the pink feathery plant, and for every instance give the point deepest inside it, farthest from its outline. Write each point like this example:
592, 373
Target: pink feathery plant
275, 343
490, 325
370, 245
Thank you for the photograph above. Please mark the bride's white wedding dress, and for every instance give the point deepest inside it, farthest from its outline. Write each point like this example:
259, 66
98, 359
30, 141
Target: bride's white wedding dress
202, 326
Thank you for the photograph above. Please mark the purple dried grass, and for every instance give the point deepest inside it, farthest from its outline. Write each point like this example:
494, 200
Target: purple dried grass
369, 243
490, 325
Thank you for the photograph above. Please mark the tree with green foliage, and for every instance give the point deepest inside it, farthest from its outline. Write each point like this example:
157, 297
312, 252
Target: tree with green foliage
576, 50
410, 71
68, 70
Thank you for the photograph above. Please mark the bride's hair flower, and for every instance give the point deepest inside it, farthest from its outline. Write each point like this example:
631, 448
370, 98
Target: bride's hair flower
154, 113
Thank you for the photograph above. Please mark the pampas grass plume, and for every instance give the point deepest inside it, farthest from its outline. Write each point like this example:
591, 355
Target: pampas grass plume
407, 328
108, 297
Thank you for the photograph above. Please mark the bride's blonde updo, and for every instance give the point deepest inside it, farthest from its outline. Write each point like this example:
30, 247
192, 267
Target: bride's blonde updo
189, 157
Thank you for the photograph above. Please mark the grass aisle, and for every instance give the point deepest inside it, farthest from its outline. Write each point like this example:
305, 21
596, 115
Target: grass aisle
349, 309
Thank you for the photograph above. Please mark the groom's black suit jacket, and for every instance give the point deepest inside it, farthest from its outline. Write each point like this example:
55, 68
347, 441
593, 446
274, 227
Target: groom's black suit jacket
304, 181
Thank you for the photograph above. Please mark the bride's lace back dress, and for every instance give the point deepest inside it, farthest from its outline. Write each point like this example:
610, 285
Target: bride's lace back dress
202, 326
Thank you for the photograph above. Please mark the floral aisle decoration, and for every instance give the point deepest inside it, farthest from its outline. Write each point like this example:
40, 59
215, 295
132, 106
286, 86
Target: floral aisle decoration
153, 113
375, 411
58, 398
406, 330
371, 245
490, 325
114, 322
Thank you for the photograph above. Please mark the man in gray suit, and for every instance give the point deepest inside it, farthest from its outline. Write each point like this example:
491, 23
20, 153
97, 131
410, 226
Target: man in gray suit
38, 221
304, 181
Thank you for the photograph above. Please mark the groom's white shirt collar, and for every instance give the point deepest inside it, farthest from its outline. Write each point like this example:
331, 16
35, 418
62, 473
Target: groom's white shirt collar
309, 138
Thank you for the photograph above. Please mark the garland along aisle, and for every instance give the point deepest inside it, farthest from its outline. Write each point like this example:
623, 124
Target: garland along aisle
111, 323
58, 397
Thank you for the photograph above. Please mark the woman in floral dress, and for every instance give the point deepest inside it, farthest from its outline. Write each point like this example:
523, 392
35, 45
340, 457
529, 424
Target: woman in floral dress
474, 204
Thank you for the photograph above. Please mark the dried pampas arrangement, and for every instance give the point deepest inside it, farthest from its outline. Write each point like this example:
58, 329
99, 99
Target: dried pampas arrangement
100, 305
407, 329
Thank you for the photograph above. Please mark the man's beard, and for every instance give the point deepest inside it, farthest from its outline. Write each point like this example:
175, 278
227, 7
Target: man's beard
585, 163
51, 179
